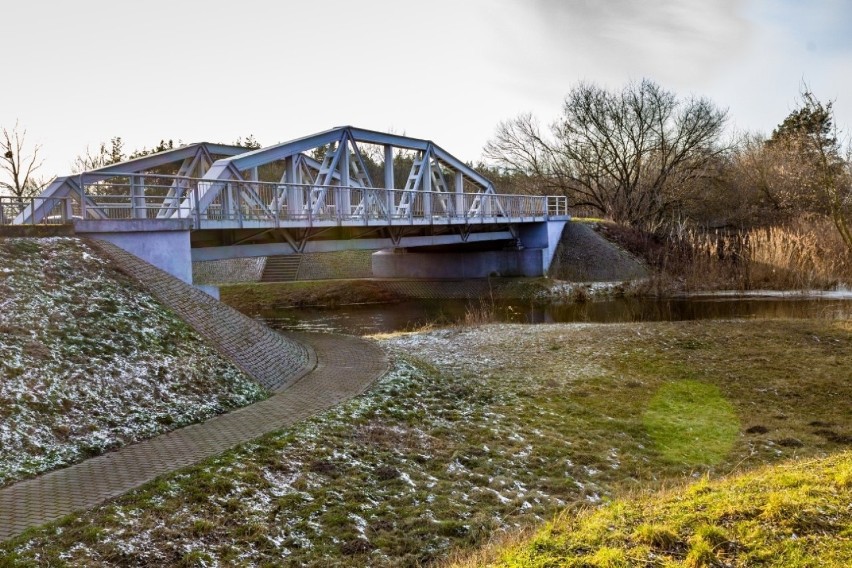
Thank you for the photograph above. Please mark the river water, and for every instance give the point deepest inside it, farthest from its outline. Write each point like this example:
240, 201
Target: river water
410, 315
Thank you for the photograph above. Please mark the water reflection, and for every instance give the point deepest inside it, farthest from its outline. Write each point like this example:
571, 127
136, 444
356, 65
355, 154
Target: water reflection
367, 319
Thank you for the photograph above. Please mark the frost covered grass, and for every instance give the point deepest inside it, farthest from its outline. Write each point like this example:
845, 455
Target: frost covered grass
90, 362
484, 431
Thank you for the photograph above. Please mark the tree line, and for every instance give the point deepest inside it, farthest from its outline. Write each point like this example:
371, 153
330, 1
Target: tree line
644, 157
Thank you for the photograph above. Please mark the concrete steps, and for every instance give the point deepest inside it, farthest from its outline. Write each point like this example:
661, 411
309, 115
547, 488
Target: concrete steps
281, 268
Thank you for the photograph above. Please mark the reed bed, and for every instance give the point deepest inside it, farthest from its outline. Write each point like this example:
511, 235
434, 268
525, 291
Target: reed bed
803, 255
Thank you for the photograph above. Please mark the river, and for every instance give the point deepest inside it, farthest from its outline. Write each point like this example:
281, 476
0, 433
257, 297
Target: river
410, 315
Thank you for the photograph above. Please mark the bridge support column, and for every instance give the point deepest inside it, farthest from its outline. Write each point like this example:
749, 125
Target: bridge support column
544, 236
163, 243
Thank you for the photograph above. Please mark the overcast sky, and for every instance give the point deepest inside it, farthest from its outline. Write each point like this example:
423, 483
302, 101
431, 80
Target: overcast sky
78, 73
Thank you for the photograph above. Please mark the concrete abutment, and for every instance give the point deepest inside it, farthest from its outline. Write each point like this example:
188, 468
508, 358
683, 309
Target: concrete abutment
161, 242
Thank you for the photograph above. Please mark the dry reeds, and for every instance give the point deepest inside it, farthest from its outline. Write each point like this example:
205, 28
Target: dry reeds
480, 312
807, 254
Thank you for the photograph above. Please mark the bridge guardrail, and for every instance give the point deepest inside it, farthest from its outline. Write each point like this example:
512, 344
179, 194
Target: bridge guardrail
557, 205
18, 210
214, 202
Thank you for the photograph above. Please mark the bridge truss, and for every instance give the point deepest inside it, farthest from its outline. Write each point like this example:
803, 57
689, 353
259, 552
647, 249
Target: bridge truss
341, 184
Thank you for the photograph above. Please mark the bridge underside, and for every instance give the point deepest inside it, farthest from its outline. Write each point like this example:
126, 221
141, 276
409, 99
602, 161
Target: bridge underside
236, 243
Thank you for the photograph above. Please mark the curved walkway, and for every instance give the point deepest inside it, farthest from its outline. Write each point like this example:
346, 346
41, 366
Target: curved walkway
346, 366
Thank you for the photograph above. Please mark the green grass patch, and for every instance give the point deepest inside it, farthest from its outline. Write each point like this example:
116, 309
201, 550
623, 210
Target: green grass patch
752, 519
691, 423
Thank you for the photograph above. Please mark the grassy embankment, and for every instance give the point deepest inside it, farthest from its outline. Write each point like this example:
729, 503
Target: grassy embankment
483, 431
792, 515
90, 362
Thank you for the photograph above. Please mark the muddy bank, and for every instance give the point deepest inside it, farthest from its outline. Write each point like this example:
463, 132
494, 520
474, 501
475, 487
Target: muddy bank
255, 298
259, 298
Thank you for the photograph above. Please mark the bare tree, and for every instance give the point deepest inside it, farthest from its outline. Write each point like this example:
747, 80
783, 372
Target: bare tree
19, 164
631, 155
111, 152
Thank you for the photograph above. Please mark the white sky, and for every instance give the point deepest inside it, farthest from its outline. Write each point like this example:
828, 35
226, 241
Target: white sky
78, 73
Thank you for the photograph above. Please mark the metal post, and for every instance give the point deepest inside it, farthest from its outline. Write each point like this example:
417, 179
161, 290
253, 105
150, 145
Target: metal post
345, 197
459, 187
82, 198
197, 205
134, 190
294, 195
389, 183
239, 203
426, 184
142, 203
276, 205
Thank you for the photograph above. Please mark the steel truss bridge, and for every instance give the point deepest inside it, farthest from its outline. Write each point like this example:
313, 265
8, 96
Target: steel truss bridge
342, 184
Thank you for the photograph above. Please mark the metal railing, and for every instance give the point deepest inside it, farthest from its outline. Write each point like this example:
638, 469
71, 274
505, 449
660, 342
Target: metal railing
137, 196
215, 203
53, 210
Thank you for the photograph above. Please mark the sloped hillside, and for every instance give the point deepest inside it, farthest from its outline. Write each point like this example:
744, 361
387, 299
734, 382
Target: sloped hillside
90, 362
583, 255
796, 514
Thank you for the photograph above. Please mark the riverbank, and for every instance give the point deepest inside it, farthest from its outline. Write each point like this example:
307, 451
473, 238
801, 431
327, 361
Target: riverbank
802, 254
265, 299
481, 431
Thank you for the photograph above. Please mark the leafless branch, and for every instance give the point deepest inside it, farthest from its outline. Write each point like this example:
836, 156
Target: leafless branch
18, 164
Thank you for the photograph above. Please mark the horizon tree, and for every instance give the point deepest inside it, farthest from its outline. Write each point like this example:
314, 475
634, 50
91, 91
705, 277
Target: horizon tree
809, 161
631, 155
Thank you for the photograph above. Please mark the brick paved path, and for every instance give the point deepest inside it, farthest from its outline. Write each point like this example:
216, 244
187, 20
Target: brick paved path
346, 366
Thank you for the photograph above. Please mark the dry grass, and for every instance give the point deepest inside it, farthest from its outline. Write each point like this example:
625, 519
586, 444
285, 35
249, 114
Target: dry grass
805, 254
480, 311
